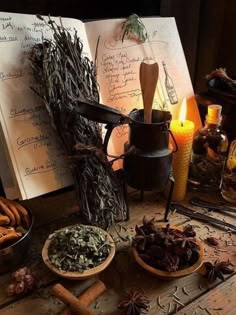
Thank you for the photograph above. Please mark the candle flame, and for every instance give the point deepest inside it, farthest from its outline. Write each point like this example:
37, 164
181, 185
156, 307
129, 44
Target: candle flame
183, 111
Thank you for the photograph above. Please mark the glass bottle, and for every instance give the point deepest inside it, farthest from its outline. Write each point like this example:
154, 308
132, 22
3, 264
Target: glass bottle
170, 88
228, 190
209, 152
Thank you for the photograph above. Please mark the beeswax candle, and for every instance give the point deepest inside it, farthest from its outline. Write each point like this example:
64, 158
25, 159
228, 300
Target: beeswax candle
183, 132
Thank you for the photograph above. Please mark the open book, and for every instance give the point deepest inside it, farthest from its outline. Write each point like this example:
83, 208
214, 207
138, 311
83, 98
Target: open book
32, 159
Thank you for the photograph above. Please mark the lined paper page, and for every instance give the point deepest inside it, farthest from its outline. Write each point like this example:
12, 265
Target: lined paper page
37, 157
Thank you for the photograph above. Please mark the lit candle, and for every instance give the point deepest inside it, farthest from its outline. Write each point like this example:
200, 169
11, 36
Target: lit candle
183, 133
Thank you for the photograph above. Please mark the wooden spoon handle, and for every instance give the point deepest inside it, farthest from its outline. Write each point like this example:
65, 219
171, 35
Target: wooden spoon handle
148, 76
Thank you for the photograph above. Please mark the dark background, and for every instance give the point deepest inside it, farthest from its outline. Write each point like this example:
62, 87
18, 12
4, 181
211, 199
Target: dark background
207, 28
90, 9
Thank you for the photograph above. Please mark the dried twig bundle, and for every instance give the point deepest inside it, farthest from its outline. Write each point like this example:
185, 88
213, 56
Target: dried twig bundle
224, 82
66, 78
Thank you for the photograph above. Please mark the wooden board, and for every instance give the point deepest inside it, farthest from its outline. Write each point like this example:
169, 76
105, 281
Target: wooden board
220, 300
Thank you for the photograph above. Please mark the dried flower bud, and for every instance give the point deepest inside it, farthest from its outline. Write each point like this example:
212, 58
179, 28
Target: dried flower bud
19, 274
20, 287
11, 289
212, 241
28, 271
29, 281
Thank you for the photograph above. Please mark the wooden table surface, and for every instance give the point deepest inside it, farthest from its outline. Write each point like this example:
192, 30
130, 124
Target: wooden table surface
124, 273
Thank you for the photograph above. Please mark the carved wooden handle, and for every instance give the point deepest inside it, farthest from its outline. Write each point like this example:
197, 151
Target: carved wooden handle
148, 76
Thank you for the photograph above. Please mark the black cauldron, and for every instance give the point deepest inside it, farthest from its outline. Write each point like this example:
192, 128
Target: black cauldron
148, 167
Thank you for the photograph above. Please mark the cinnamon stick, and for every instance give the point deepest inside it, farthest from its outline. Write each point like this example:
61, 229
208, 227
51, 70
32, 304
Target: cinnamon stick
10, 236
68, 298
4, 219
88, 296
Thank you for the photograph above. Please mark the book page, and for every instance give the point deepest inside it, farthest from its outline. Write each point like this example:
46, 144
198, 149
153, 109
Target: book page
37, 157
6, 172
118, 70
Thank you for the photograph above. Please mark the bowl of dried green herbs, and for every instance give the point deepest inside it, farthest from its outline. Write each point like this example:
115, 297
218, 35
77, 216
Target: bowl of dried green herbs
78, 251
167, 251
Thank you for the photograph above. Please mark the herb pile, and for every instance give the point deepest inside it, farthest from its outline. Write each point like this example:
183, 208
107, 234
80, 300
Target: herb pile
78, 248
165, 248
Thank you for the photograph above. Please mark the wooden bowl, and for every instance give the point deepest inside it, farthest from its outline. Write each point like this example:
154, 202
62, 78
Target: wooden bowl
75, 275
171, 274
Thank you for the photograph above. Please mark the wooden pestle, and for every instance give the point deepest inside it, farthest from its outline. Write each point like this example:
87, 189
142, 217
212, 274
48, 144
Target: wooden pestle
148, 76
68, 298
88, 296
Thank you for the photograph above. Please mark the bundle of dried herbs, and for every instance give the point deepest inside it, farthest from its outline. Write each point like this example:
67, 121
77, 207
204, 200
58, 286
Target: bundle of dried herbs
222, 81
166, 248
66, 77
78, 248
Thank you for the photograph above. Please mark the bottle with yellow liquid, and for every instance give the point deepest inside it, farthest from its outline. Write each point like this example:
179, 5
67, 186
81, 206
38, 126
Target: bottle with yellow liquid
228, 191
209, 153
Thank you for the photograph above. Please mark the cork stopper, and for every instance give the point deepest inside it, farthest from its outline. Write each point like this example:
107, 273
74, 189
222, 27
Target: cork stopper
214, 114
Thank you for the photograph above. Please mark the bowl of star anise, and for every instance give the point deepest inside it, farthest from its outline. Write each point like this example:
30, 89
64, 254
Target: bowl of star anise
167, 251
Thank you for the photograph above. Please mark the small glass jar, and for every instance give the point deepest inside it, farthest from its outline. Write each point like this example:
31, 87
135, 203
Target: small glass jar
209, 153
228, 190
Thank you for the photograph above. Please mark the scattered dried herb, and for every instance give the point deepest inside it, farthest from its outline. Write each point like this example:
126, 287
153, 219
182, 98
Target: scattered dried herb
169, 307
165, 248
78, 248
217, 270
134, 303
159, 302
185, 291
178, 302
212, 241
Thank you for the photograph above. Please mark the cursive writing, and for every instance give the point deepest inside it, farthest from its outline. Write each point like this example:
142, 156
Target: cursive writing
11, 75
8, 38
24, 141
15, 111
42, 168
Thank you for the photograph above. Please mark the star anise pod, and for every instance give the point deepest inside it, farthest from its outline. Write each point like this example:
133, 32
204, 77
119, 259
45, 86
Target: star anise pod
149, 225
189, 231
217, 270
188, 242
134, 303
170, 262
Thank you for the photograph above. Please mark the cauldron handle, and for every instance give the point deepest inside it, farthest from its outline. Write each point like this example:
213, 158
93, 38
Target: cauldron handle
173, 138
109, 128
